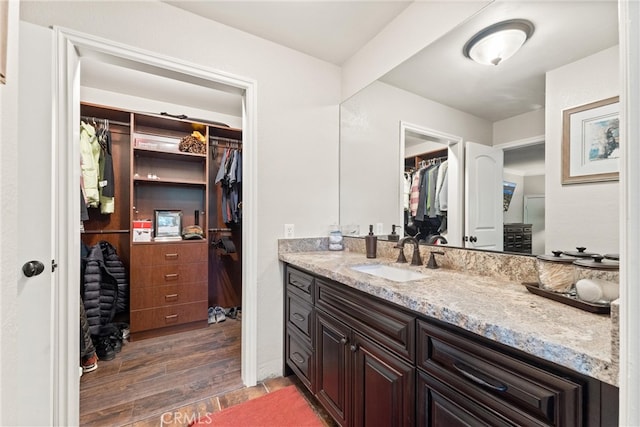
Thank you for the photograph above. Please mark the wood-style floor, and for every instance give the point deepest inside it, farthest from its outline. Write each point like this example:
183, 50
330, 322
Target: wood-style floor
171, 380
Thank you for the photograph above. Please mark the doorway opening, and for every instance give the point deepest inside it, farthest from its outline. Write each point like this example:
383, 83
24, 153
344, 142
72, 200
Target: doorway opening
74, 50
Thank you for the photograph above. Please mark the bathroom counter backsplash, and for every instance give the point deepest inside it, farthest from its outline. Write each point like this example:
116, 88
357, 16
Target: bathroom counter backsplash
472, 290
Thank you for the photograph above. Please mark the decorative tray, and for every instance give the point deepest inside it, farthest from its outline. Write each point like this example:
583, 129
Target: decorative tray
569, 299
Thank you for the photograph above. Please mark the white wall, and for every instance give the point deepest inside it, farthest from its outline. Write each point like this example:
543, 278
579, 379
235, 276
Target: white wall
370, 148
8, 225
297, 131
579, 214
516, 128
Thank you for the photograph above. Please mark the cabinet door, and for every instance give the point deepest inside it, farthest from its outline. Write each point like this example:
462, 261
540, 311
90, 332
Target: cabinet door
333, 364
383, 386
440, 406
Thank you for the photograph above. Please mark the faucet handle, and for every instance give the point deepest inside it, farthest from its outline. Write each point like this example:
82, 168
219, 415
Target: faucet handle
432, 259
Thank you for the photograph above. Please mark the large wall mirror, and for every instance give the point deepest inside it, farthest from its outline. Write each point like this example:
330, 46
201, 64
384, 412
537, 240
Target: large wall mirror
499, 129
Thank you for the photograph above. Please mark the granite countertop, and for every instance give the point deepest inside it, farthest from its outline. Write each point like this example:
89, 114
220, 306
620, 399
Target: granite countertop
501, 310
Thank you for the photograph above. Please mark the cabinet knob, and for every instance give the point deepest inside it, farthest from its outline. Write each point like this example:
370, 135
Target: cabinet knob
353, 348
343, 340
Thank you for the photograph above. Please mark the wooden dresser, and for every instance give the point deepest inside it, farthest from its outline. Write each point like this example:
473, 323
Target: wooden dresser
170, 286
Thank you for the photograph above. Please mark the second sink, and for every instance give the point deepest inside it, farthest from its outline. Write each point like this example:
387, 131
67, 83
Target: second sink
388, 272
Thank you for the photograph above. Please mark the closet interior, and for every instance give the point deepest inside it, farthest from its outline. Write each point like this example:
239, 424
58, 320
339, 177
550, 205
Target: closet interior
425, 194
175, 218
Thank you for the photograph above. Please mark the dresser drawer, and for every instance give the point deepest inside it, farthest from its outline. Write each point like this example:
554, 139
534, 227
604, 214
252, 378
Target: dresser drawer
143, 276
529, 394
299, 282
160, 317
154, 254
381, 321
172, 294
298, 314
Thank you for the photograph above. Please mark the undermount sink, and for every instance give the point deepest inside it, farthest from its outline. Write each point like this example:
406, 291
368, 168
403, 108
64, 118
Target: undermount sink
388, 272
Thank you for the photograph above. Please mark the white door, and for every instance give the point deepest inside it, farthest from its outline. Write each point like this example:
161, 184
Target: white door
35, 338
483, 197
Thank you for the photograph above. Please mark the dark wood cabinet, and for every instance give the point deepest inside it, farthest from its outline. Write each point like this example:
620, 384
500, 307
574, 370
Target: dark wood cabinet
333, 367
373, 363
383, 386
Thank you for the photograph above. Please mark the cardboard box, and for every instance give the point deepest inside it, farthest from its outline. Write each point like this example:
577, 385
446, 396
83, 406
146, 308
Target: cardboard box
142, 230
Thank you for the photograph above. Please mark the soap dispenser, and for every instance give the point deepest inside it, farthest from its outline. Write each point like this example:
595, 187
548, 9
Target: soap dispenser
393, 237
371, 243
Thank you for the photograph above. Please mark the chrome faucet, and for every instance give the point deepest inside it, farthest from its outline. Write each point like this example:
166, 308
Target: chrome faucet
415, 260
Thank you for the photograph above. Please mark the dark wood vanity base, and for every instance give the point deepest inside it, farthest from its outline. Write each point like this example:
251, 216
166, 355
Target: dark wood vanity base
372, 362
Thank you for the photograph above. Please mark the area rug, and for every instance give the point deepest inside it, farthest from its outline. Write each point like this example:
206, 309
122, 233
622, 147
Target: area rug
281, 408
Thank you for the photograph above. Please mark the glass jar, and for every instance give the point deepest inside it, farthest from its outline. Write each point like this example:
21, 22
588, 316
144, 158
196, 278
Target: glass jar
556, 272
336, 241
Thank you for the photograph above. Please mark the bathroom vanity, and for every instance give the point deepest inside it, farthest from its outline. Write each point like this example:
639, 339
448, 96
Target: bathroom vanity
446, 349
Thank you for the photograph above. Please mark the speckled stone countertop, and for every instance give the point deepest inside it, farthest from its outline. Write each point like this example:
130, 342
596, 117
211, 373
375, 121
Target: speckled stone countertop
498, 309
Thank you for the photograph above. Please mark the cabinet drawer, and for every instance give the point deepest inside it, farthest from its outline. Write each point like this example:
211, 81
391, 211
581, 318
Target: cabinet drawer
381, 321
529, 394
168, 253
299, 282
160, 317
158, 296
300, 359
143, 276
299, 314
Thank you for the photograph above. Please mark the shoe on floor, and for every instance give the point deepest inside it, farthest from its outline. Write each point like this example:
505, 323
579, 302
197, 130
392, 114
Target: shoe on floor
104, 348
219, 312
90, 364
212, 315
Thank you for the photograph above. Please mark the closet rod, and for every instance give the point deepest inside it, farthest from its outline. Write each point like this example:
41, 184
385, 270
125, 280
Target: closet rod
215, 230
111, 122
105, 231
216, 139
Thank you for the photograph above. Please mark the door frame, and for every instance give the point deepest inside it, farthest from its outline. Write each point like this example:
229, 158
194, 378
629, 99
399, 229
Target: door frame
70, 47
455, 172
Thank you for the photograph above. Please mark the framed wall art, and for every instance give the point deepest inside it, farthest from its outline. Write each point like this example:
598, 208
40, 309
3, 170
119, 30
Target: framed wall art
591, 142
168, 225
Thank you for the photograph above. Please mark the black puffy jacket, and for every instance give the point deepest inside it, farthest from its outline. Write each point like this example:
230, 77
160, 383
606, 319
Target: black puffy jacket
116, 268
99, 290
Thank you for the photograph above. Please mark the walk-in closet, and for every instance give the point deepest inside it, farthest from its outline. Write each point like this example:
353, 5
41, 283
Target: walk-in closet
161, 238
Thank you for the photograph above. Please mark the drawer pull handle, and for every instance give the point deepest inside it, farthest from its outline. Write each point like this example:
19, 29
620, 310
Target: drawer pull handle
476, 377
171, 296
297, 357
171, 256
171, 276
171, 317
297, 316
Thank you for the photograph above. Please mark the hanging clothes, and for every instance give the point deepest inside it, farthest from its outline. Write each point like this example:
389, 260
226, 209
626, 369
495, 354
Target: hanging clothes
107, 176
90, 158
229, 177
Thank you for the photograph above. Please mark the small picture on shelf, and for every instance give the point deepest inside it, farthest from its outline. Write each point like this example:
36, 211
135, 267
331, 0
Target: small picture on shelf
168, 225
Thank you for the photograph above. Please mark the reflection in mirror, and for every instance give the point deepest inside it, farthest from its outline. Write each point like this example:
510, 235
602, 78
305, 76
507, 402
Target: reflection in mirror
516, 107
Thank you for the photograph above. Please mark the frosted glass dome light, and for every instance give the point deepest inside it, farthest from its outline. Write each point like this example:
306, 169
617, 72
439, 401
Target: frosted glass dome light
498, 42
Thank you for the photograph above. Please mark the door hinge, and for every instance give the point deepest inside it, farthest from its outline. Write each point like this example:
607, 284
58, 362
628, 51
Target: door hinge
54, 265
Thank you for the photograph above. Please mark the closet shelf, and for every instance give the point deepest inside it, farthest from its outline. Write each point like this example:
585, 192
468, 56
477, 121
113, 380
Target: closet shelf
144, 180
164, 154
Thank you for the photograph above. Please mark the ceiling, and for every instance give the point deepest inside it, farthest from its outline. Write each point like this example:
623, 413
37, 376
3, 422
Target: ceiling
335, 30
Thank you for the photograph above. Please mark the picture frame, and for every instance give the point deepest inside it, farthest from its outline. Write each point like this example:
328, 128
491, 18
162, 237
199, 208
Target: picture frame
168, 225
591, 142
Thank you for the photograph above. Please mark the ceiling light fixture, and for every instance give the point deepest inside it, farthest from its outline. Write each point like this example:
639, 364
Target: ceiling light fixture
498, 42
